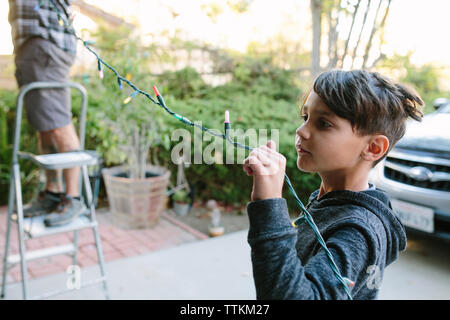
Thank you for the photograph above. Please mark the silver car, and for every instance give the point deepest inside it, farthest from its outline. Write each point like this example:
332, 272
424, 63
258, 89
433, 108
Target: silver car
416, 174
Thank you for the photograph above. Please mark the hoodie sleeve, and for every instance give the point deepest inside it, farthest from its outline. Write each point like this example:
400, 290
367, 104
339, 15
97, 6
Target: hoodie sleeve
277, 270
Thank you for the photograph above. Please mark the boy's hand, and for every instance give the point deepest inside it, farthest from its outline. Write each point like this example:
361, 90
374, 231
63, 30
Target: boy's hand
267, 167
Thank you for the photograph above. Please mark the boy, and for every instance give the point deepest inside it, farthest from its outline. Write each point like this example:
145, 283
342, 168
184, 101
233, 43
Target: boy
352, 119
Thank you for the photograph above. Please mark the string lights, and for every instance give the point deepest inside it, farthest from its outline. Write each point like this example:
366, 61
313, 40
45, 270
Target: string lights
304, 217
100, 70
130, 97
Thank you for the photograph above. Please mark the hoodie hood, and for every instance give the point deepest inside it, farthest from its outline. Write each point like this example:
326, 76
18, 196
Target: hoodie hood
377, 202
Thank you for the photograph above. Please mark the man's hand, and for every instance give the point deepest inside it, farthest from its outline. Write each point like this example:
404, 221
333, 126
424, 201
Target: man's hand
267, 167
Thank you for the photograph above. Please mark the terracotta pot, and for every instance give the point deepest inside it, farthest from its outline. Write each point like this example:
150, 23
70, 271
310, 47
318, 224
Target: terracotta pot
136, 203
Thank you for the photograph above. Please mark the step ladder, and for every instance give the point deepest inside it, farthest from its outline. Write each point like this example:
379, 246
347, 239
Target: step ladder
34, 227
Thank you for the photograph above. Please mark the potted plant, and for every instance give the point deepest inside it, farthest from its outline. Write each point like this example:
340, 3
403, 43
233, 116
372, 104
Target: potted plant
129, 129
136, 187
181, 203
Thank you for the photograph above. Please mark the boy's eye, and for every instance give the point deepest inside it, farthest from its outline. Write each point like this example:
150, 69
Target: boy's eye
324, 124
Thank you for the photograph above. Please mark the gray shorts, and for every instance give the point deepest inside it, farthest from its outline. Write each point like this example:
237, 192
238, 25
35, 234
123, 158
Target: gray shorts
41, 60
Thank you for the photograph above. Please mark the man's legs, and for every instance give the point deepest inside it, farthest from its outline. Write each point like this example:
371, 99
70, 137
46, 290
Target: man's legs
62, 139
54, 177
40, 60
65, 139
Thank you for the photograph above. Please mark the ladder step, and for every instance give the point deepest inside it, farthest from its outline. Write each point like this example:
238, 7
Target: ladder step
42, 253
35, 227
62, 160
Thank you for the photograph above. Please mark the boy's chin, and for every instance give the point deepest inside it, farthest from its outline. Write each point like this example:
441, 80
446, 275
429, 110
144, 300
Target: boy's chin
303, 168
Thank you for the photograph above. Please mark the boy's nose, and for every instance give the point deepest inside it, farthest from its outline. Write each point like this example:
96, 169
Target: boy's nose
302, 132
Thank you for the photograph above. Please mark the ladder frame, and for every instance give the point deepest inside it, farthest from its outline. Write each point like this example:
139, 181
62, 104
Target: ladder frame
15, 197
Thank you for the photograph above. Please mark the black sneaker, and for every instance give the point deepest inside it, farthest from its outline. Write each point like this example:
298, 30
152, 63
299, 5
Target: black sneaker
45, 203
66, 211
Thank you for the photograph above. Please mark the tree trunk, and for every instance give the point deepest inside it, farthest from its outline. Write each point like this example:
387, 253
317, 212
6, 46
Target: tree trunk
316, 11
350, 33
372, 33
381, 27
355, 50
332, 40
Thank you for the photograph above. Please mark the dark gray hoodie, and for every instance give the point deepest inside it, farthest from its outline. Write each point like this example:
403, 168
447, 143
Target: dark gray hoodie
359, 228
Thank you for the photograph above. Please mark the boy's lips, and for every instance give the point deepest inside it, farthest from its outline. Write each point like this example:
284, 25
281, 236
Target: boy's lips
301, 149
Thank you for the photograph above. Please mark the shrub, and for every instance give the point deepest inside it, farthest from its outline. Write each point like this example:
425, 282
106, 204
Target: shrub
260, 96
28, 142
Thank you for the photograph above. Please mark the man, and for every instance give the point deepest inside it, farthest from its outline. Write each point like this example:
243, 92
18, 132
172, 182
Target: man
45, 51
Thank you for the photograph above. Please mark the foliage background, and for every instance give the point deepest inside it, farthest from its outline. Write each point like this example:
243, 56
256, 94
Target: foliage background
260, 95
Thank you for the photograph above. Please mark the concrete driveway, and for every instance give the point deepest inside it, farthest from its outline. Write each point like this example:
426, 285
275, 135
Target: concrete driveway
421, 272
220, 268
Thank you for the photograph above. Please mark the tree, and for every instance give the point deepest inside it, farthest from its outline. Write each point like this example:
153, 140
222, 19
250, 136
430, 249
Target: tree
355, 12
355, 49
316, 11
352, 25
375, 28
214, 9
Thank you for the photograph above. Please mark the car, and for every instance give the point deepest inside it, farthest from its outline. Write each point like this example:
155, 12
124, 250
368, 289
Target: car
416, 174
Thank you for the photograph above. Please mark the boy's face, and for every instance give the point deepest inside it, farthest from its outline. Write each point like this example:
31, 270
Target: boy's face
328, 140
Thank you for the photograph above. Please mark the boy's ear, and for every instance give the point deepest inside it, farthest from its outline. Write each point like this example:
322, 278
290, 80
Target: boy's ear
376, 147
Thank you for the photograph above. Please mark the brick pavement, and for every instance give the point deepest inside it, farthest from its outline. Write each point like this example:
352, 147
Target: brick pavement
117, 243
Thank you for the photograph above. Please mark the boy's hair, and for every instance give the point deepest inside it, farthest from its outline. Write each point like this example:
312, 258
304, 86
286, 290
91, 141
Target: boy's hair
374, 104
